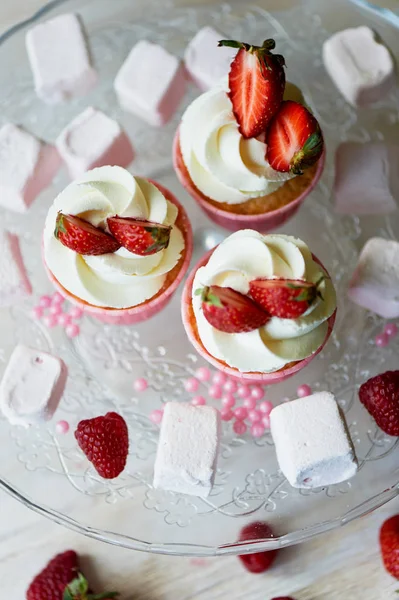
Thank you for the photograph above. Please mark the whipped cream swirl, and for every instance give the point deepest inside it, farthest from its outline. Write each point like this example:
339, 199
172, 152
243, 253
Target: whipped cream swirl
248, 255
222, 164
121, 279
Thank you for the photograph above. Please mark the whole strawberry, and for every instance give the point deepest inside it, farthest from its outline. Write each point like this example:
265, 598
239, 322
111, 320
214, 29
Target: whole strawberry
82, 237
380, 396
138, 236
105, 442
389, 544
256, 83
294, 139
229, 311
284, 298
260, 561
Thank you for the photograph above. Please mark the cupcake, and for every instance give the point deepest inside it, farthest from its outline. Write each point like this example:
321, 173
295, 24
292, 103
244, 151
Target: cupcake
117, 245
248, 150
259, 307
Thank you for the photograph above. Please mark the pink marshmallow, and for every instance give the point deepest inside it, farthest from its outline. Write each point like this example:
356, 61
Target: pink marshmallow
32, 386
92, 140
205, 61
375, 282
366, 178
27, 166
14, 282
59, 58
151, 83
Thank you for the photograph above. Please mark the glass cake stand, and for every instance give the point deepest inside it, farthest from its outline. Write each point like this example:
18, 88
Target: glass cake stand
45, 470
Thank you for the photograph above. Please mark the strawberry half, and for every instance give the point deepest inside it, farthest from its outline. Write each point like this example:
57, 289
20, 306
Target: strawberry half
256, 82
139, 236
229, 311
294, 139
82, 237
284, 298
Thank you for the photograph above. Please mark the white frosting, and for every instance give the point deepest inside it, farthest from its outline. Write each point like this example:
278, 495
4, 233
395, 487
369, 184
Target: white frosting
248, 255
222, 164
121, 279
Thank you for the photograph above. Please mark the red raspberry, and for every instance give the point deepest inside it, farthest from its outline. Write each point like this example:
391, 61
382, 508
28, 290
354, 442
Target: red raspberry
260, 561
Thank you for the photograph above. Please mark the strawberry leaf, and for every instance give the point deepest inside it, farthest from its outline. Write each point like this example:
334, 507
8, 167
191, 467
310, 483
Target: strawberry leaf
214, 300
233, 44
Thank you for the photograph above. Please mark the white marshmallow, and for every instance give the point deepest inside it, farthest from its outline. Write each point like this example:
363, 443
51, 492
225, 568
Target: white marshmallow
14, 282
59, 59
361, 67
205, 61
92, 139
187, 449
151, 83
375, 282
366, 178
27, 166
312, 444
32, 386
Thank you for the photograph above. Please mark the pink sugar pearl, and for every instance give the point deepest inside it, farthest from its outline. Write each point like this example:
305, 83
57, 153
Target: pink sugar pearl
37, 312
219, 378
257, 430
57, 298
72, 330
44, 301
249, 402
257, 392
62, 427
239, 427
156, 416
230, 386
198, 401
304, 390
391, 329
140, 385
266, 407
228, 400
76, 312
381, 340
266, 421
191, 385
203, 374
243, 391
55, 309
50, 321
215, 392
240, 413
63, 319
254, 416
226, 414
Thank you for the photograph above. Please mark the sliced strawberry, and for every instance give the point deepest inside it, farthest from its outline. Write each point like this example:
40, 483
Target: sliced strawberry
139, 236
294, 139
284, 298
256, 82
82, 237
229, 311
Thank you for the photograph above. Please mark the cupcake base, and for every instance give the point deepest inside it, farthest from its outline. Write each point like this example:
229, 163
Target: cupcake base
149, 308
281, 204
190, 326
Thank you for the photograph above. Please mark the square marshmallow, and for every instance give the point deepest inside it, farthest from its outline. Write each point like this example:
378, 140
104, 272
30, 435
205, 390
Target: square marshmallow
92, 139
32, 386
375, 282
312, 444
14, 282
60, 59
205, 61
366, 178
360, 66
151, 83
27, 166
187, 449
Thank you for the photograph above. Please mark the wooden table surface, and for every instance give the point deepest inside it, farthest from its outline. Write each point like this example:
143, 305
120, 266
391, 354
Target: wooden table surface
342, 565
